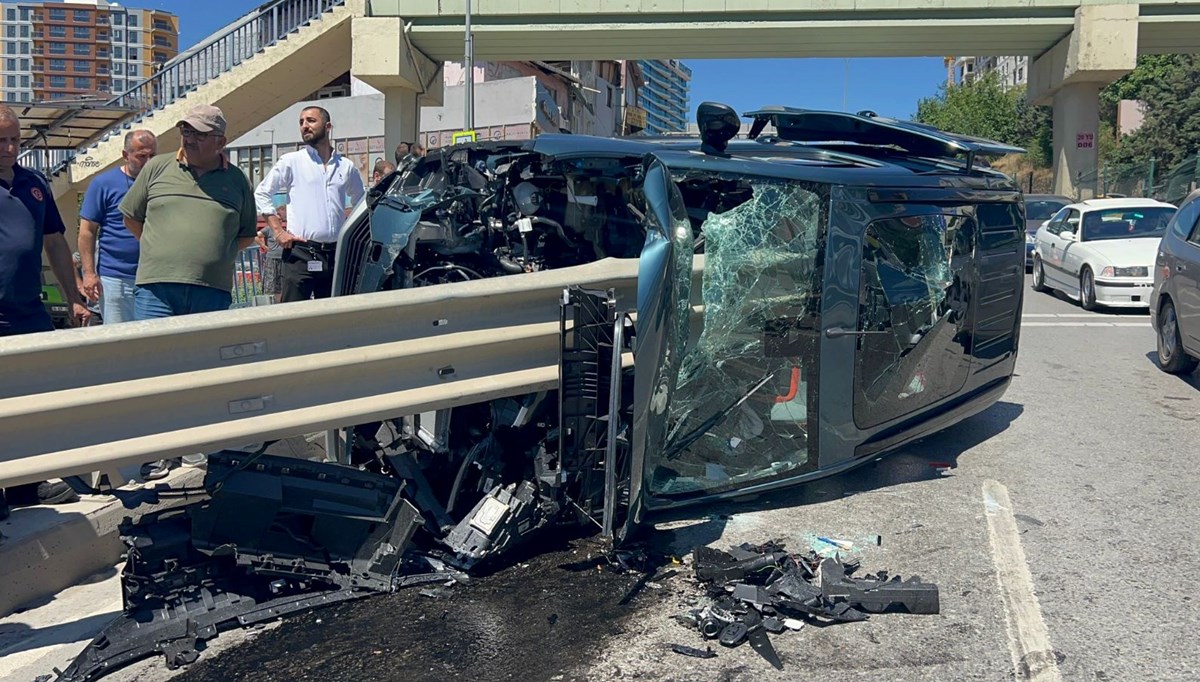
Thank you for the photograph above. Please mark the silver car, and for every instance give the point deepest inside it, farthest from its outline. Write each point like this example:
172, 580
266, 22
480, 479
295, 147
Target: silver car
1175, 301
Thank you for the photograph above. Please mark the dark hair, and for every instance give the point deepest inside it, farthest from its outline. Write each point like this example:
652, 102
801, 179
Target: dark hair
321, 110
402, 150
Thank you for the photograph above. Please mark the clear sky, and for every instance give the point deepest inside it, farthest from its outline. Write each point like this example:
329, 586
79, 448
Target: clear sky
890, 87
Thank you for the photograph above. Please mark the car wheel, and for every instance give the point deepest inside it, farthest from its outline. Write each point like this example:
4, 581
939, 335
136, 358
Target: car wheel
1087, 290
1039, 276
1172, 358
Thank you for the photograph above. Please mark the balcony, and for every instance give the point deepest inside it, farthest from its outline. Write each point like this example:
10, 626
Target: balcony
101, 71
102, 54
102, 21
37, 68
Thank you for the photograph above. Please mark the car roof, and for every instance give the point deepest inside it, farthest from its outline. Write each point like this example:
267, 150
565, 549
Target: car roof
1101, 204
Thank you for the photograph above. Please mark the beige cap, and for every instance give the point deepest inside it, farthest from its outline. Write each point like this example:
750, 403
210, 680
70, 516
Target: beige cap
205, 118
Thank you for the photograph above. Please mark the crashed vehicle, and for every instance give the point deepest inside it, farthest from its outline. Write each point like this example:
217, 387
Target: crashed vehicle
806, 301
861, 288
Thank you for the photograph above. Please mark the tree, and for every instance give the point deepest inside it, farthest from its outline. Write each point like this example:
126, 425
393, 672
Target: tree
1170, 87
985, 108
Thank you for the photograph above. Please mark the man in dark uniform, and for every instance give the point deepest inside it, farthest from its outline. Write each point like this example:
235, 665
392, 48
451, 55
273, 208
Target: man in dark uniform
30, 224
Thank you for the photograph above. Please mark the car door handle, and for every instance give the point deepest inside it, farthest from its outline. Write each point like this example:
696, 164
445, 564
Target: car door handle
838, 332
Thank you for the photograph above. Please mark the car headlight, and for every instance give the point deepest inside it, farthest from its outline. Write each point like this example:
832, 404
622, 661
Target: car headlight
1135, 271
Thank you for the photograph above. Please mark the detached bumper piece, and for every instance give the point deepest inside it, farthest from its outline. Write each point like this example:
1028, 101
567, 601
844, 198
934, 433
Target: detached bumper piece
764, 589
277, 536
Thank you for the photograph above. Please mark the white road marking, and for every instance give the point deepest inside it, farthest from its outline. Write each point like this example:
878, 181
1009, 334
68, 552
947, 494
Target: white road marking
1145, 325
1028, 638
1060, 315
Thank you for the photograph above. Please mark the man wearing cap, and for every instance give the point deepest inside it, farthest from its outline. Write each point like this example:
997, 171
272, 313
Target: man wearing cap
30, 225
321, 184
192, 212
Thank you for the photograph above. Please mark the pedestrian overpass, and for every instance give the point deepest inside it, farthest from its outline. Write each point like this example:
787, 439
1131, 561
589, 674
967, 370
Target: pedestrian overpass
286, 49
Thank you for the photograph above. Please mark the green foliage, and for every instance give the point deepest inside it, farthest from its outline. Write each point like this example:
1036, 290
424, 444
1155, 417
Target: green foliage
1170, 87
984, 108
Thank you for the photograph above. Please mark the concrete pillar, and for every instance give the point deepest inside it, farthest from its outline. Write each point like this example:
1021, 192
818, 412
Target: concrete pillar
384, 58
1076, 126
401, 118
1101, 48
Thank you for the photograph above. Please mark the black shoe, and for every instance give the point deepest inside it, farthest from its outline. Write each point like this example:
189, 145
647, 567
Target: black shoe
156, 470
56, 493
3, 505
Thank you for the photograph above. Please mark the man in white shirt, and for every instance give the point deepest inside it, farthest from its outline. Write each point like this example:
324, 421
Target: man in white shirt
322, 186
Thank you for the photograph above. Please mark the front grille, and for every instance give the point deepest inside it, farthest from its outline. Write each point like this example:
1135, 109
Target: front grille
356, 244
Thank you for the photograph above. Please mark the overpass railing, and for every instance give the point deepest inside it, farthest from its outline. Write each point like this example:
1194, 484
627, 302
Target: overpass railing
98, 398
221, 52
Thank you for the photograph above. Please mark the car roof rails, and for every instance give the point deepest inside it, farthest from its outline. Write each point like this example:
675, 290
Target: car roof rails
868, 128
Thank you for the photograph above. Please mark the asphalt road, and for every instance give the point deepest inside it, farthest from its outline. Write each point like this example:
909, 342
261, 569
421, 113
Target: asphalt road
1059, 525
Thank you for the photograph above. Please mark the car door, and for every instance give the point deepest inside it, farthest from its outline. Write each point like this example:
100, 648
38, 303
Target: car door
1185, 270
1072, 251
1050, 246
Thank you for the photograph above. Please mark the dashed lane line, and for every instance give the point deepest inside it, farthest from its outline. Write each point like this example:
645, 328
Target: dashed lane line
1028, 638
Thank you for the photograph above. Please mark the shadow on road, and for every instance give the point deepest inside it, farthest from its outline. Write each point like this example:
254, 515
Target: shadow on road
924, 460
17, 637
1191, 379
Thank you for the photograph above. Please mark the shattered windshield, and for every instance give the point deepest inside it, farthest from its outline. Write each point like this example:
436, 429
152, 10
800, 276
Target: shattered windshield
741, 407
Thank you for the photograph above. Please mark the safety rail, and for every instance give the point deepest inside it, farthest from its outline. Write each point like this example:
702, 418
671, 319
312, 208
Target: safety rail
221, 52
95, 399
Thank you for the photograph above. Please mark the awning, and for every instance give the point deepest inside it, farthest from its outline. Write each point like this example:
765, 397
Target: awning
66, 124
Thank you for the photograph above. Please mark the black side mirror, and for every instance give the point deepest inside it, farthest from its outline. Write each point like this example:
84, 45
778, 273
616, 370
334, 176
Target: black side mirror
718, 125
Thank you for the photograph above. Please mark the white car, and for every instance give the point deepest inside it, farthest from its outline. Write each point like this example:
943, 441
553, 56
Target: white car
1101, 252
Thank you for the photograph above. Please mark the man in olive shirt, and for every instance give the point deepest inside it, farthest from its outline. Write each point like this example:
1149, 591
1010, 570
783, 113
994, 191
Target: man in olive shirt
192, 213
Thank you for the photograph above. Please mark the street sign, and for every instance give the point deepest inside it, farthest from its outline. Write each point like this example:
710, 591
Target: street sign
1085, 140
464, 136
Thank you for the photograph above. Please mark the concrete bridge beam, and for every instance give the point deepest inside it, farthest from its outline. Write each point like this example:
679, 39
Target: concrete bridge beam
1101, 48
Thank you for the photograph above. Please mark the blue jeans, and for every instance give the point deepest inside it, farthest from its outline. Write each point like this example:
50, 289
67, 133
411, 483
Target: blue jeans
168, 299
116, 303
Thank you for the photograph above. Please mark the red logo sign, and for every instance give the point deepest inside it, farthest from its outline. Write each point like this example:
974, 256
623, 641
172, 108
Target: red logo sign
37, 193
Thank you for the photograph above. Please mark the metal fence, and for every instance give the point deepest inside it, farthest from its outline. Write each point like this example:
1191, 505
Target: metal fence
240, 41
249, 279
1145, 178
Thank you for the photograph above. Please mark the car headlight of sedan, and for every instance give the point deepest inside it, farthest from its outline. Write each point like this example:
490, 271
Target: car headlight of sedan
1134, 271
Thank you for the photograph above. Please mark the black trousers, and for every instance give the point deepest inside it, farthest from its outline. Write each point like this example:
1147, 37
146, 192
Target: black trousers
300, 281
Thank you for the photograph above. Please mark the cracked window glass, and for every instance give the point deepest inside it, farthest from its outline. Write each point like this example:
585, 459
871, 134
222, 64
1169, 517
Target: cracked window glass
914, 343
744, 402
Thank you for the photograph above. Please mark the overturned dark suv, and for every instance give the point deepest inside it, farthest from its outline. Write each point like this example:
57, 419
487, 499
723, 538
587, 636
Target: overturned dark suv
857, 285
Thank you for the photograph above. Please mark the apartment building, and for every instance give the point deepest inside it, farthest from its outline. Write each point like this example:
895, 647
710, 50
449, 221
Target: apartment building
80, 49
1011, 71
665, 95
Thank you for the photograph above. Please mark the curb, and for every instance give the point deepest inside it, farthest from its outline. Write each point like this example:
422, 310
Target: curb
48, 549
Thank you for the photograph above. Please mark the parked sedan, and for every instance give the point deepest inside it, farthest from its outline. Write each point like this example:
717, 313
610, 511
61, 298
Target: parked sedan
1039, 208
1100, 251
1175, 302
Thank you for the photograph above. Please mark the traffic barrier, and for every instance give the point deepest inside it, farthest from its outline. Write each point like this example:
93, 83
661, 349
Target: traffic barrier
93, 399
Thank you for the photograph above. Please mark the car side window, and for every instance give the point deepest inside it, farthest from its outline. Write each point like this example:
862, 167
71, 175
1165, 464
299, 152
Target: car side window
1194, 237
1055, 224
1071, 224
1184, 222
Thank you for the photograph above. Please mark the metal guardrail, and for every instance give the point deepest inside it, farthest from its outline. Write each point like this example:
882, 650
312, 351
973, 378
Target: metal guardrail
94, 399
198, 65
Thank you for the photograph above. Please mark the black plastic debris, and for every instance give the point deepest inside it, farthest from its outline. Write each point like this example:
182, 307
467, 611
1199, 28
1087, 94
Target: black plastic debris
761, 590
706, 652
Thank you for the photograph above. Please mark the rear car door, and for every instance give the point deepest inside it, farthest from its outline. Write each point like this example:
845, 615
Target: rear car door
1186, 273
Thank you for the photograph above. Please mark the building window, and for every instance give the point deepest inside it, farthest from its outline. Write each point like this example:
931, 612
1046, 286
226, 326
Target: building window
24, 81
83, 65
133, 70
25, 97
117, 67
118, 18
118, 36
10, 48
11, 14
24, 48
134, 37
58, 81
82, 49
24, 14
58, 48
118, 52
25, 64
133, 54
12, 65
82, 83
58, 31
10, 31
118, 85
25, 30
82, 16
12, 82
133, 20
163, 25
58, 65
58, 14
83, 33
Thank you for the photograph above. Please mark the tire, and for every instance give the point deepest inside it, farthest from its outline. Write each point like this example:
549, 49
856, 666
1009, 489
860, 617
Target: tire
1087, 289
1039, 276
1172, 358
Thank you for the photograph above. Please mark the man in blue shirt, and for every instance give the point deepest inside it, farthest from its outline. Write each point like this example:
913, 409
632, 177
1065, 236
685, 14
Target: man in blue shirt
109, 278
30, 224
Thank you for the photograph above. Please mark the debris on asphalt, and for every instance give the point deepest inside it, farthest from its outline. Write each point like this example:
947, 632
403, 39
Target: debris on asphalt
758, 590
706, 652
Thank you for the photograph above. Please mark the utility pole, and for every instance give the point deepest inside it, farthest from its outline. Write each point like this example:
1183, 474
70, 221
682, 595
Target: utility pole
469, 77
845, 82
